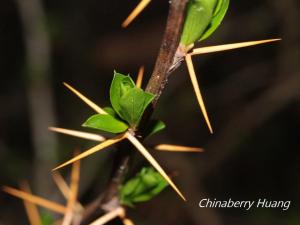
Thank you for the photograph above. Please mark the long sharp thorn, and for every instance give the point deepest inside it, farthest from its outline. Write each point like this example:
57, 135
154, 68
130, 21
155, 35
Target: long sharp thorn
93, 150
137, 10
75, 176
123, 218
177, 148
153, 162
61, 184
31, 209
139, 79
118, 212
127, 221
196, 87
63, 187
35, 199
80, 134
73, 192
67, 220
95, 107
226, 47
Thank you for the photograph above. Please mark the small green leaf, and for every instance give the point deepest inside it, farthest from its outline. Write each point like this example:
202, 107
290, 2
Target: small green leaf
198, 17
105, 122
202, 19
133, 104
128, 101
153, 127
110, 111
119, 86
130, 186
219, 15
144, 186
46, 218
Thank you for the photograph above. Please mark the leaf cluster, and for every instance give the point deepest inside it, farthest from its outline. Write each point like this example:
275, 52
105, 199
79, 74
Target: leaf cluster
128, 104
143, 187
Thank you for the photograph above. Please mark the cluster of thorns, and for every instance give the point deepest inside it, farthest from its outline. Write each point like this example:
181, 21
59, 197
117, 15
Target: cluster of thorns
72, 212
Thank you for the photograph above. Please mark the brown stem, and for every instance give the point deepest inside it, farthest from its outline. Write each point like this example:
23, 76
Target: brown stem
167, 50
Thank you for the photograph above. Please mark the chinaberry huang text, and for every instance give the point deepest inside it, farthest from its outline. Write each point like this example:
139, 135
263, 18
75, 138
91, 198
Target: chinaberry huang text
247, 205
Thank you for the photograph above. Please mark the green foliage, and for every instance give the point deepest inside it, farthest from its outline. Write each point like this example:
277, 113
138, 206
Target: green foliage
128, 105
217, 18
46, 218
119, 86
133, 104
202, 19
153, 127
105, 122
110, 111
127, 100
143, 187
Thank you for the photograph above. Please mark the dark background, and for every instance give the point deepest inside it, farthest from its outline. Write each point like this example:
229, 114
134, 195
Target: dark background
252, 96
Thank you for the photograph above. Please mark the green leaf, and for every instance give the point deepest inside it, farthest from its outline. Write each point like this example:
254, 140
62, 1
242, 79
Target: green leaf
153, 127
144, 186
133, 104
110, 111
46, 218
130, 186
202, 19
119, 86
198, 17
105, 122
219, 15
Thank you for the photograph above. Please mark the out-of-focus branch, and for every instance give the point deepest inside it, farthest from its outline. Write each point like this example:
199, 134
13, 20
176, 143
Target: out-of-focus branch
39, 91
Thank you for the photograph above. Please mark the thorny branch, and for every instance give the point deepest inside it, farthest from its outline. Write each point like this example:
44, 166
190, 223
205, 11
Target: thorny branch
156, 84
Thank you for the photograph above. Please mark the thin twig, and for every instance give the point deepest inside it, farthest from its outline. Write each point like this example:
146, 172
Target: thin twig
31, 209
137, 10
75, 176
35, 199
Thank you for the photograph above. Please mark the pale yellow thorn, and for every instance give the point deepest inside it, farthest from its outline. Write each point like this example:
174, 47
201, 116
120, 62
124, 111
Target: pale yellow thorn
75, 176
196, 87
80, 134
127, 221
67, 220
226, 47
177, 148
86, 100
31, 209
140, 76
153, 162
118, 212
63, 187
93, 150
35, 199
137, 10
61, 184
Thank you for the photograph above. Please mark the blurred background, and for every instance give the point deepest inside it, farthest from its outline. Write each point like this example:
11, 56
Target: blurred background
252, 97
